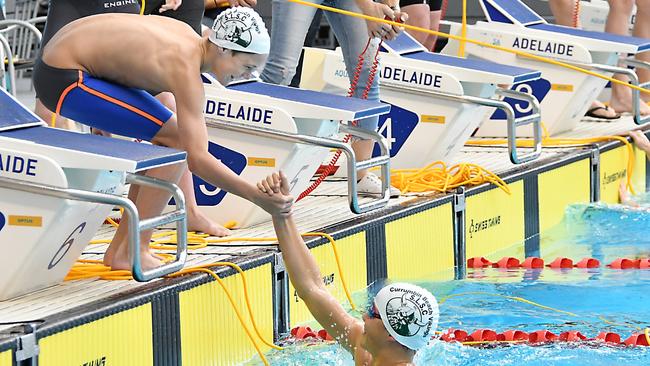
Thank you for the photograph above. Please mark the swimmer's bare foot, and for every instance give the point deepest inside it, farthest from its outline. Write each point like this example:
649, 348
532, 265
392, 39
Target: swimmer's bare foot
623, 193
147, 260
197, 221
624, 104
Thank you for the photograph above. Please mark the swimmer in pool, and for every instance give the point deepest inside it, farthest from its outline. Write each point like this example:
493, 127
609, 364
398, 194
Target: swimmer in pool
96, 70
400, 320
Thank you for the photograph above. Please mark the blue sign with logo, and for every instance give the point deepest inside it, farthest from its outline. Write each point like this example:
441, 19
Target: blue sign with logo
538, 88
208, 195
2, 221
396, 127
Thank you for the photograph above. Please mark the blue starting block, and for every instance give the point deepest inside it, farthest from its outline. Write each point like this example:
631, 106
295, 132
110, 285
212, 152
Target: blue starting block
564, 94
257, 129
56, 189
435, 98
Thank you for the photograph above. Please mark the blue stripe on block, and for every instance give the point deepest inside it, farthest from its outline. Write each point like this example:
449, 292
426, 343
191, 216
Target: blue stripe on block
361, 108
145, 155
518, 73
517, 10
13, 114
642, 44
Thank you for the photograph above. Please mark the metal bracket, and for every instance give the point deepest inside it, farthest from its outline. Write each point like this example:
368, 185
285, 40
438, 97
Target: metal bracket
595, 174
27, 351
280, 297
352, 164
460, 254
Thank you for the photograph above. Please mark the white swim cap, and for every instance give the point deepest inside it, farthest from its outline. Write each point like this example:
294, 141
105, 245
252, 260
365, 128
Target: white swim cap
241, 29
409, 313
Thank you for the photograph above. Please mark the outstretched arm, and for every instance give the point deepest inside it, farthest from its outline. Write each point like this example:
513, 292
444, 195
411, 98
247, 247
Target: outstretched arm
305, 274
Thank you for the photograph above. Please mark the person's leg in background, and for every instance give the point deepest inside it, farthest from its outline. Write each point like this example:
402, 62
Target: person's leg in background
435, 16
419, 16
618, 23
352, 34
565, 13
290, 23
642, 30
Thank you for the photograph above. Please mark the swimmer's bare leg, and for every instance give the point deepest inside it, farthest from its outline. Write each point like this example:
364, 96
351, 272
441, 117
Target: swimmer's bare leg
150, 202
196, 220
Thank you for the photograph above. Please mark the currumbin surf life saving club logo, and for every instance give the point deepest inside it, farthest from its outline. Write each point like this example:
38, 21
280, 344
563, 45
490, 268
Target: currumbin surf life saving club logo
236, 27
407, 312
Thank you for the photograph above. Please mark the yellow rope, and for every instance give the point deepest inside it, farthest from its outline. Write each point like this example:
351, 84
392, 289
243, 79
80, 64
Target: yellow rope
472, 41
515, 298
438, 178
463, 31
144, 3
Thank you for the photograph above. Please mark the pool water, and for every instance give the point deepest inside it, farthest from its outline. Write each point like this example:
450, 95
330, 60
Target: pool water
598, 300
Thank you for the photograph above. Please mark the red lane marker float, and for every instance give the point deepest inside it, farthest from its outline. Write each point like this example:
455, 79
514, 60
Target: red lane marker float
513, 336
561, 262
588, 263
558, 263
507, 262
478, 262
304, 332
532, 263
540, 337
637, 340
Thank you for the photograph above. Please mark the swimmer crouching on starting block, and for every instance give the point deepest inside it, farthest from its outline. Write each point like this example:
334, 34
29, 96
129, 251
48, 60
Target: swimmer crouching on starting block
401, 318
95, 71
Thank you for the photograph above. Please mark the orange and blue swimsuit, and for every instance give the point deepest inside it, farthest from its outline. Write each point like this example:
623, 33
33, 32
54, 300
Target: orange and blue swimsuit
98, 103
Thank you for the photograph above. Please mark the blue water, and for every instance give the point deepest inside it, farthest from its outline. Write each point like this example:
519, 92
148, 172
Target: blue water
600, 300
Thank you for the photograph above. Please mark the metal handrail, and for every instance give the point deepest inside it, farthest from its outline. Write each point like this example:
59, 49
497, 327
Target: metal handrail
11, 69
352, 165
513, 122
634, 80
135, 226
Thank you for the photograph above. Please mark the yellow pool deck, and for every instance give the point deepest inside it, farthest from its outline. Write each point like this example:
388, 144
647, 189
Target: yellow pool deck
188, 320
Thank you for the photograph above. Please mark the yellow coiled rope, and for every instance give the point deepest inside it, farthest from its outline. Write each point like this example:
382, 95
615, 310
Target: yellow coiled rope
437, 177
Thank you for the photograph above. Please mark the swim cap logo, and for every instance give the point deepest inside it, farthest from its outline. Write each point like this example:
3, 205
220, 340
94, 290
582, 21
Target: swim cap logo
406, 313
236, 27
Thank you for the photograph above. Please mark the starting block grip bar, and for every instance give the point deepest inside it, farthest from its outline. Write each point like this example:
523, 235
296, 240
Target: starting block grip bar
136, 227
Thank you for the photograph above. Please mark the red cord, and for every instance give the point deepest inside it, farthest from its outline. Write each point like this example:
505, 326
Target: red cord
353, 85
576, 14
443, 9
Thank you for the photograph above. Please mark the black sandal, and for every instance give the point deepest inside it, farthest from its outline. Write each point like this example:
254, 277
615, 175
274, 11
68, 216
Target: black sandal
591, 113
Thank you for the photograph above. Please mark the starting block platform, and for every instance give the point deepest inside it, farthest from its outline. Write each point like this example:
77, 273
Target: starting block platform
564, 94
256, 129
188, 320
437, 101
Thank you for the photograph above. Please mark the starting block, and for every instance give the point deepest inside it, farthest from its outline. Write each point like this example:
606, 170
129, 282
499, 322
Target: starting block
437, 101
564, 94
257, 129
56, 189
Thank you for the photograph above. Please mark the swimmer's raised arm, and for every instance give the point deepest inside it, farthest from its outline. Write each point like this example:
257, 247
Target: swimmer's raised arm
305, 274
